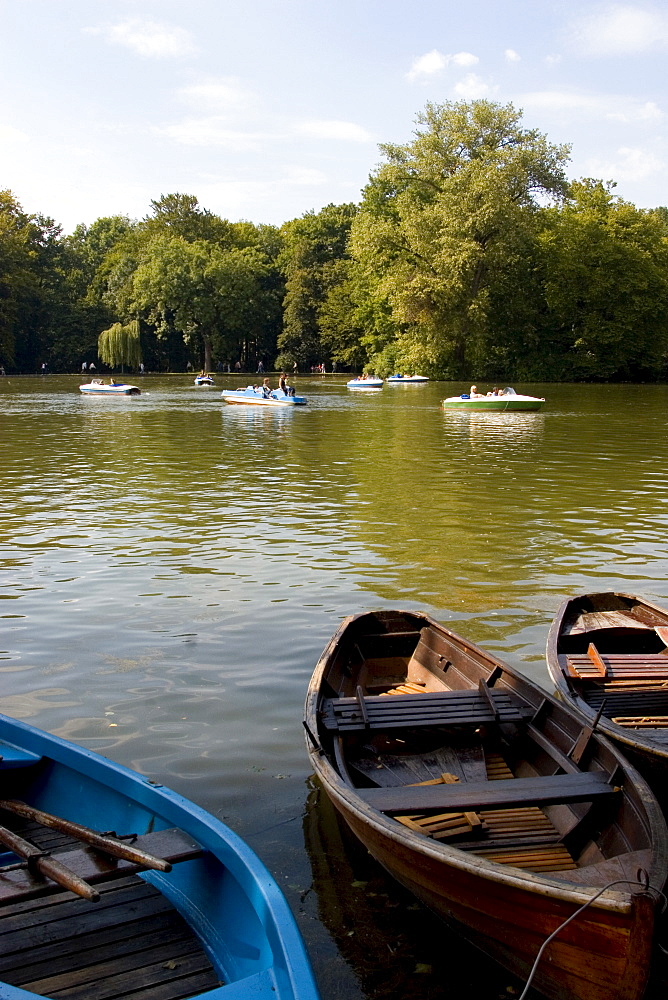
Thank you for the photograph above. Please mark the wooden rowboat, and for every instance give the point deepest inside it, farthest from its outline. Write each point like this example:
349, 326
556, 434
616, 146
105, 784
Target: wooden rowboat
608, 657
170, 905
492, 802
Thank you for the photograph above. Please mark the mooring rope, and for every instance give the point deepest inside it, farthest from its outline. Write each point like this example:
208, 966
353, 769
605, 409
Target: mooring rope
642, 880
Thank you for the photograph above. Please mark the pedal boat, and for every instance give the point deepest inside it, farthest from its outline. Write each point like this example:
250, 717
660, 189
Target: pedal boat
256, 397
507, 401
96, 387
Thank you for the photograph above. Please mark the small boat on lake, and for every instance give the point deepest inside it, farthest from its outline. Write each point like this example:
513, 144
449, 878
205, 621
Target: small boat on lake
256, 397
170, 905
495, 804
204, 380
406, 379
365, 382
506, 400
607, 654
96, 387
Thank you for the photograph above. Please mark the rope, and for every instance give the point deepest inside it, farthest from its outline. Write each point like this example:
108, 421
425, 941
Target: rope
642, 880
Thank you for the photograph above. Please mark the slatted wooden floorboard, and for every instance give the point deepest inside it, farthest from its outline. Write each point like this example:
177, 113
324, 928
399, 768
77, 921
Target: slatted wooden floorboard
131, 945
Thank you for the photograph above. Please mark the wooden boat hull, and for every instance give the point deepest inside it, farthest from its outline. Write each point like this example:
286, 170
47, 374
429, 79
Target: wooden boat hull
507, 911
216, 887
646, 748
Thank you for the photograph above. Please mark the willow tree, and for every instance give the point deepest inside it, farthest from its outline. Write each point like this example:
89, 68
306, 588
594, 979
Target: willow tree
447, 219
120, 345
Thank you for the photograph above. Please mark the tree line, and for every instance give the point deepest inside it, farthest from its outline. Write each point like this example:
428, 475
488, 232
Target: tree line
470, 254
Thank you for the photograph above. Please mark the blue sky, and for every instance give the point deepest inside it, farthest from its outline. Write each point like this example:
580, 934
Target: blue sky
266, 109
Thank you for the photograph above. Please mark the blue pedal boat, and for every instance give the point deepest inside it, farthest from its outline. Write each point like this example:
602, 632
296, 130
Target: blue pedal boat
170, 904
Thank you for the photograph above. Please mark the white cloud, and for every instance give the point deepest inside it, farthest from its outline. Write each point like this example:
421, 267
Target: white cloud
221, 95
631, 164
434, 62
210, 132
594, 106
14, 135
151, 39
552, 60
472, 87
303, 175
346, 131
512, 56
620, 29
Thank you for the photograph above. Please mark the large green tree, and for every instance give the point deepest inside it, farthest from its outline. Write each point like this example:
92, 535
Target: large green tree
604, 265
314, 247
447, 221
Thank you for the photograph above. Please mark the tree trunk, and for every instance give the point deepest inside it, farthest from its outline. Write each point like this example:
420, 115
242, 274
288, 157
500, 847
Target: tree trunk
207, 352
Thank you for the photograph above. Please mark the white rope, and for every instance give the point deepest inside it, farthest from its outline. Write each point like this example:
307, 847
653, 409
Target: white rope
644, 884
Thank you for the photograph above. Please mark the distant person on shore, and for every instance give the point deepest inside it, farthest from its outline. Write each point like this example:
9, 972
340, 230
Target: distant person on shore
260, 368
91, 366
84, 367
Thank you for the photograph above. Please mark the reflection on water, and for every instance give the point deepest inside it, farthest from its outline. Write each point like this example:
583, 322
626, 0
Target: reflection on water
503, 432
172, 566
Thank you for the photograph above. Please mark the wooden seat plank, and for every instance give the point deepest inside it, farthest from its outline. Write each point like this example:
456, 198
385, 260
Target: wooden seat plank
618, 666
172, 845
436, 708
473, 796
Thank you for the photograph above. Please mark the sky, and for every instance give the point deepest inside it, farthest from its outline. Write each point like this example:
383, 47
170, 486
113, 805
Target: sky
268, 109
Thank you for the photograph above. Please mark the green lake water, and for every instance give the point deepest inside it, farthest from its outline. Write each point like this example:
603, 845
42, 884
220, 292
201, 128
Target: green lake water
173, 566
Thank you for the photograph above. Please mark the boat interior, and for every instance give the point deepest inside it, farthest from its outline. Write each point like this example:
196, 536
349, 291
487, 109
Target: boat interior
461, 751
613, 652
126, 941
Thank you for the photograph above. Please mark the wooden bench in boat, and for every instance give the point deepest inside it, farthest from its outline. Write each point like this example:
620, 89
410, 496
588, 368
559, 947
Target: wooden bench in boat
18, 881
582, 786
600, 667
429, 708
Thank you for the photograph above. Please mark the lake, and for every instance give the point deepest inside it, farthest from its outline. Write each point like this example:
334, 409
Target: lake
172, 568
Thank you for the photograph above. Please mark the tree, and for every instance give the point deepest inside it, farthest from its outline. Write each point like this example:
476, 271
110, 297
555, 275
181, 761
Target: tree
120, 345
313, 247
208, 294
442, 221
605, 272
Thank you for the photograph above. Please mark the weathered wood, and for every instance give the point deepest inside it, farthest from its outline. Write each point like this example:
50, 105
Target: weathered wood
618, 666
20, 883
110, 845
438, 708
132, 945
472, 796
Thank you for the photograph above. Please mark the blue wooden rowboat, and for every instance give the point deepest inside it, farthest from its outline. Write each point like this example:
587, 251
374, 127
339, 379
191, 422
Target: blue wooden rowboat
193, 914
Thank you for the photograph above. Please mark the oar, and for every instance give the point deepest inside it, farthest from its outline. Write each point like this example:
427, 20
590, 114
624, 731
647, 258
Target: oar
47, 865
116, 848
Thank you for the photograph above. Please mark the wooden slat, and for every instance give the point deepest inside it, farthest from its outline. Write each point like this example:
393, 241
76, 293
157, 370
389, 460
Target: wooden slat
431, 708
132, 945
473, 796
618, 666
172, 845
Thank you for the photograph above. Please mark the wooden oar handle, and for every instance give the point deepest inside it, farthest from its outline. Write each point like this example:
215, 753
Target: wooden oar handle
109, 845
46, 865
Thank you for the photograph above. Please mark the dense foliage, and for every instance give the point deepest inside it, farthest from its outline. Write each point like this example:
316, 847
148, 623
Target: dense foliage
470, 254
